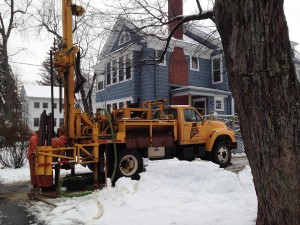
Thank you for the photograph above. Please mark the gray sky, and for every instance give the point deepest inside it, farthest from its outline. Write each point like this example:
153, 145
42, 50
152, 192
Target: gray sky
36, 48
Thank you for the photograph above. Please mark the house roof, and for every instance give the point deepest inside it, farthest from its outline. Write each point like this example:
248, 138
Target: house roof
38, 91
121, 21
191, 36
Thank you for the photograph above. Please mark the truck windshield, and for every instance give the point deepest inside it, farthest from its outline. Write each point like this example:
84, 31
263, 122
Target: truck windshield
191, 115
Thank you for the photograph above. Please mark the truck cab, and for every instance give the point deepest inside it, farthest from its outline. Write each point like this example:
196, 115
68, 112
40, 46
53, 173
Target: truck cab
197, 137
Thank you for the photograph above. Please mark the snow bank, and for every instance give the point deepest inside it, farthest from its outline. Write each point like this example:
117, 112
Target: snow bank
169, 192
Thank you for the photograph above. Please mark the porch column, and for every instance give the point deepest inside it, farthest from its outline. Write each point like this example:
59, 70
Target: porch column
189, 99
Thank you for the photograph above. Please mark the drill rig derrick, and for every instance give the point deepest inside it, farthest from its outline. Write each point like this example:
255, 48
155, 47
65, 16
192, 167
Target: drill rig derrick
81, 131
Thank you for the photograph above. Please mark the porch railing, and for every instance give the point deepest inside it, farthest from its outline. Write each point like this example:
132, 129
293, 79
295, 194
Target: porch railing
233, 123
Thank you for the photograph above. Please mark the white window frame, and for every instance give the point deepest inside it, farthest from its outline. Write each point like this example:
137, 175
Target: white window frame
157, 57
114, 71
124, 37
117, 102
130, 65
98, 88
191, 63
121, 69
106, 73
101, 78
61, 121
221, 99
117, 70
45, 105
36, 122
36, 104
221, 69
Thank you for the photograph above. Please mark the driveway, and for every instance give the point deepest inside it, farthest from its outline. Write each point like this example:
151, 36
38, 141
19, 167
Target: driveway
238, 163
13, 200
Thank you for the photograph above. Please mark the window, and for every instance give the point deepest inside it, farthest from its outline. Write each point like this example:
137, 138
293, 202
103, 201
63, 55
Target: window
100, 82
158, 54
121, 68
61, 121
100, 85
121, 105
54, 105
45, 105
114, 72
124, 37
108, 73
54, 122
115, 106
217, 70
36, 105
298, 75
118, 70
191, 115
219, 104
194, 63
36, 122
128, 66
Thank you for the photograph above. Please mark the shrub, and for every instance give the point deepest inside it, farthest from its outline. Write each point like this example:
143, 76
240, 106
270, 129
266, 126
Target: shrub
13, 144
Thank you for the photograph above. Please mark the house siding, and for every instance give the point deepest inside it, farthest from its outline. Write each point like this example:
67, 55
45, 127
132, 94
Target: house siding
201, 78
224, 85
155, 81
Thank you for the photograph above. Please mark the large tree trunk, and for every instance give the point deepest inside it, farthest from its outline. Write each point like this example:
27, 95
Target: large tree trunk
263, 81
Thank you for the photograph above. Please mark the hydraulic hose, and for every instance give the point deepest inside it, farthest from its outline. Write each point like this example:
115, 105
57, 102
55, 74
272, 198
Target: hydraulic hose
114, 142
70, 195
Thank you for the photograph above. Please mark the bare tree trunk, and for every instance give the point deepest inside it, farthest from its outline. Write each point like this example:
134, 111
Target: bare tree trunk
267, 98
84, 100
8, 82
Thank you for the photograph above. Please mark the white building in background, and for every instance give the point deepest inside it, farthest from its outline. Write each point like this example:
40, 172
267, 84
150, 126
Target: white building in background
35, 100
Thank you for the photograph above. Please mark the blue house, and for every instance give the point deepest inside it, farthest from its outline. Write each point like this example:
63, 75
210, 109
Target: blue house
191, 73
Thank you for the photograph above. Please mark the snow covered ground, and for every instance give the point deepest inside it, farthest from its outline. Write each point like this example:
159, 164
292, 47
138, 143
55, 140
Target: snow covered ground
170, 192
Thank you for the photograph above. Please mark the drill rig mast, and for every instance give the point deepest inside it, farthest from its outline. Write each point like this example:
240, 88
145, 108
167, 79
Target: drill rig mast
82, 133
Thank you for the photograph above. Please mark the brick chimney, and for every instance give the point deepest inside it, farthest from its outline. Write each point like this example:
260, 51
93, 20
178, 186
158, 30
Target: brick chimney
178, 67
175, 9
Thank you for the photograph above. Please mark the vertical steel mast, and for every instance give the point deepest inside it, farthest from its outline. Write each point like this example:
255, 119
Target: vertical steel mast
64, 62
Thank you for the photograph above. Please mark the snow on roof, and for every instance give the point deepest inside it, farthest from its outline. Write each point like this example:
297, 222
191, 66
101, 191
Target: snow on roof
38, 91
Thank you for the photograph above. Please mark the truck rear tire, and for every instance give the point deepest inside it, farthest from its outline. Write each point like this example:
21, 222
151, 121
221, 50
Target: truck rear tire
130, 164
222, 154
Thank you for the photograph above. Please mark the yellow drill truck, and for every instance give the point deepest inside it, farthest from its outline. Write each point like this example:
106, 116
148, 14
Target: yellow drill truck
114, 144
166, 132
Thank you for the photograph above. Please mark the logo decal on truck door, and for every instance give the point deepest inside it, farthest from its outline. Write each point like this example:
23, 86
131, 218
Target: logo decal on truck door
194, 130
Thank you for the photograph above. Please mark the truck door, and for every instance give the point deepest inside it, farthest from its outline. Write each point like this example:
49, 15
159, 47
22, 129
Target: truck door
192, 130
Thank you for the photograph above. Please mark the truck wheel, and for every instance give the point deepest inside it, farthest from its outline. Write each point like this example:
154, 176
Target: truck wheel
130, 164
222, 154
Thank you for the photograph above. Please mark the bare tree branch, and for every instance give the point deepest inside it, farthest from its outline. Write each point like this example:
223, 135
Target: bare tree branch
184, 19
199, 7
